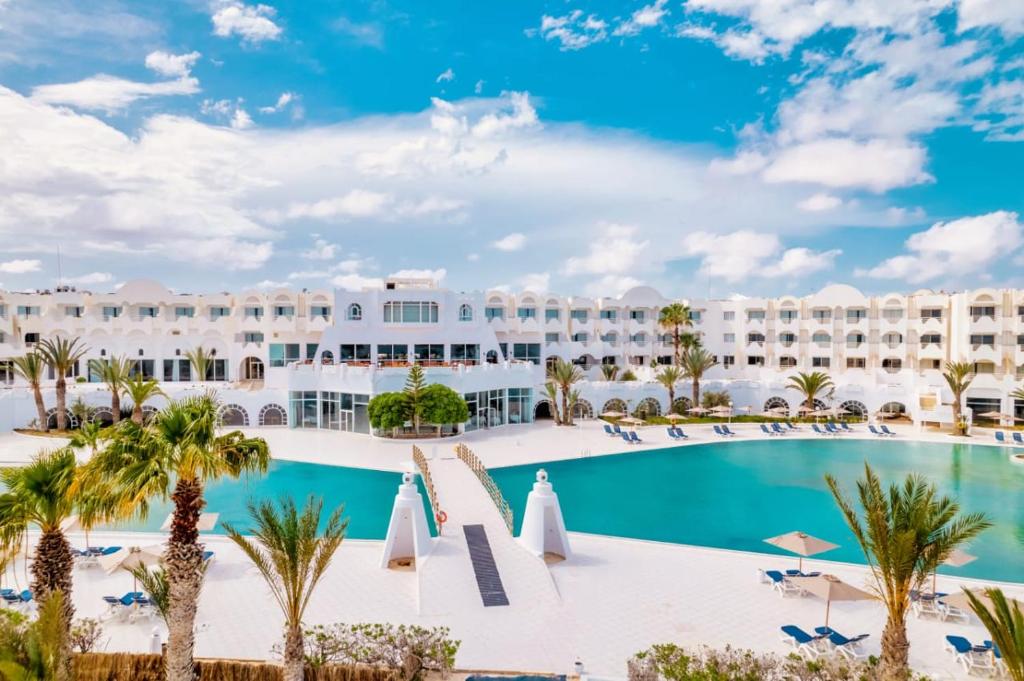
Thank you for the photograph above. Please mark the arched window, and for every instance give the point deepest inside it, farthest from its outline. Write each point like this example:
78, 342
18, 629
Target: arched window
855, 407
273, 415
582, 410
233, 415
355, 312
647, 407
893, 409
614, 405
465, 313
787, 362
777, 405
682, 405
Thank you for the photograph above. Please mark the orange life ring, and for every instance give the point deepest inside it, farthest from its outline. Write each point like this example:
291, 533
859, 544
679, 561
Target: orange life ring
441, 517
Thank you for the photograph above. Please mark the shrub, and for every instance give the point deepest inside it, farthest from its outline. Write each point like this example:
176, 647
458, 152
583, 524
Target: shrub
388, 411
407, 649
715, 398
443, 406
627, 375
85, 634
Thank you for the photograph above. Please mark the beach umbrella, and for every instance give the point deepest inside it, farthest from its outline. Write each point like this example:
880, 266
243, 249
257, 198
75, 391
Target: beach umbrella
960, 600
779, 410
697, 410
673, 417
207, 521
721, 410
804, 409
802, 544
612, 414
132, 557
831, 588
956, 558
884, 414
632, 421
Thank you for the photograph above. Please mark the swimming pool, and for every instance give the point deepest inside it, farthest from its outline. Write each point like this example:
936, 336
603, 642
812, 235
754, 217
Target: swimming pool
734, 494
368, 496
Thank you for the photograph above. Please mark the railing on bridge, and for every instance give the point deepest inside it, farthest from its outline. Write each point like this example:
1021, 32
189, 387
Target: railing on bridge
471, 460
428, 482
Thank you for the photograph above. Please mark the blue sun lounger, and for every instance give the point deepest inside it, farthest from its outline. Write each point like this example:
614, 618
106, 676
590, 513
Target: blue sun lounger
625, 437
802, 642
819, 431
608, 430
848, 647
725, 429
885, 429
970, 656
680, 434
777, 428
764, 429
1001, 438
634, 438
846, 427
1017, 439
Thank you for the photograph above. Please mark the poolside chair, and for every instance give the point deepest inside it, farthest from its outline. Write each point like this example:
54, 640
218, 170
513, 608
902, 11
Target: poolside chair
777, 428
874, 431
927, 605
625, 437
1001, 438
672, 433
764, 429
831, 428
782, 585
970, 657
208, 557
849, 648
718, 431
106, 551
1017, 439
947, 612
725, 429
634, 438
616, 429
791, 425
120, 607
608, 430
885, 429
819, 431
846, 427
1000, 663
801, 642
680, 434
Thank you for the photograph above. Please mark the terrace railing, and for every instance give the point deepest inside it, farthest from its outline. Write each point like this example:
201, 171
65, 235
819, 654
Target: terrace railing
428, 482
470, 459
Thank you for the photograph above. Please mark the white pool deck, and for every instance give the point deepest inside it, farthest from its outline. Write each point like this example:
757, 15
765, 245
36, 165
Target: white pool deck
613, 598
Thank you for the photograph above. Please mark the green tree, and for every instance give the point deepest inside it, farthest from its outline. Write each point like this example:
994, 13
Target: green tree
609, 372
627, 376
115, 372
564, 375
1005, 625
674, 317
696, 361
443, 406
156, 585
30, 367
388, 411
139, 390
958, 377
201, 362
175, 456
715, 398
551, 392
905, 533
61, 355
811, 385
415, 383
668, 377
292, 555
45, 647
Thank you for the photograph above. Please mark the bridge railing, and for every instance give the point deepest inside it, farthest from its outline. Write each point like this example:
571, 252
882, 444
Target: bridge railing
470, 459
428, 482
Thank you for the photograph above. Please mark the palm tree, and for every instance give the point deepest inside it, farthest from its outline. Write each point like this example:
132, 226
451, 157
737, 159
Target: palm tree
115, 372
292, 555
30, 367
62, 355
958, 377
1005, 625
200, 361
609, 371
668, 377
140, 390
175, 456
46, 646
695, 362
674, 317
906, 533
811, 385
564, 375
551, 392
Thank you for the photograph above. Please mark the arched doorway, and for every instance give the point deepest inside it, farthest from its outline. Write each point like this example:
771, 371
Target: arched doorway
233, 415
491, 357
327, 357
51, 419
614, 405
856, 408
777, 404
542, 410
682, 405
647, 407
582, 410
273, 415
102, 415
252, 369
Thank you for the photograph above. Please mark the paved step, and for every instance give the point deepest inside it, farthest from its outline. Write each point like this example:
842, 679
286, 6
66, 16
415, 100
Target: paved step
487, 578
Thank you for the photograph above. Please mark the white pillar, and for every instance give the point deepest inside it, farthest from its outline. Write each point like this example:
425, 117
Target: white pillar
408, 535
543, 529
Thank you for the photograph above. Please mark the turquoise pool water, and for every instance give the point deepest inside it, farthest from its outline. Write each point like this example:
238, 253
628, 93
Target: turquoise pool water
734, 494
367, 495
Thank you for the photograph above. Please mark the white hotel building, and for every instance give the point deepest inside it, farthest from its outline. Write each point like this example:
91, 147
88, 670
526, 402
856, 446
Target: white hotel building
313, 359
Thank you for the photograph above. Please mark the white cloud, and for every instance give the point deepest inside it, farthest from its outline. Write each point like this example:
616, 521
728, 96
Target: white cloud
744, 254
269, 284
253, 23
647, 16
877, 165
966, 246
321, 250
172, 65
109, 93
473, 257
1007, 15
511, 242
820, 202
20, 266
445, 76
616, 250
283, 100
241, 120
612, 285
573, 31
799, 262
90, 279
539, 282
369, 34
357, 203
479, 87
437, 275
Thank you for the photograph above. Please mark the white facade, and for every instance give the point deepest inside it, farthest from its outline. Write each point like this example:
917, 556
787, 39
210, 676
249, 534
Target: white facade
282, 354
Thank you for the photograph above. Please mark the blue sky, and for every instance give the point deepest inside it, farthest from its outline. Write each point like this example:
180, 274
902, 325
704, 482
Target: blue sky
581, 147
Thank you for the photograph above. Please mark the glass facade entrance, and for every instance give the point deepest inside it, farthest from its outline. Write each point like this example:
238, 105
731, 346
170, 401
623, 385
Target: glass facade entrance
490, 408
330, 411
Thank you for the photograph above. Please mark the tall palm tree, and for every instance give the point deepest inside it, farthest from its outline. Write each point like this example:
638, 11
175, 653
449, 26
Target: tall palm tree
551, 392
564, 375
609, 371
30, 367
292, 555
201, 361
811, 385
1005, 624
905, 534
175, 456
62, 355
668, 377
695, 362
140, 390
115, 372
958, 377
675, 317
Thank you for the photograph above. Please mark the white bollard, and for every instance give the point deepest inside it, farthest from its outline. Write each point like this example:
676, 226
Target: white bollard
543, 530
408, 539
155, 642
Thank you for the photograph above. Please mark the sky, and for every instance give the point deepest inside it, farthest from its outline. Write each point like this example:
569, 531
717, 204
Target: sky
703, 147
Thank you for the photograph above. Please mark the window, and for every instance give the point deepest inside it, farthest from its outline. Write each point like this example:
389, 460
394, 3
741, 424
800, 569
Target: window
581, 337
253, 312
787, 315
728, 360
283, 354
578, 315
410, 312
930, 339
892, 314
284, 311
609, 337
695, 316
526, 312
3, 338
188, 312
856, 363
755, 338
931, 313
466, 353
494, 313
551, 338
821, 339
821, 362
639, 338
982, 339
354, 352
856, 314
252, 337
552, 313
855, 340
3, 310
787, 362
74, 311
729, 337
821, 315
354, 313
465, 313
527, 352
393, 353
610, 315
31, 338
892, 365
787, 339
637, 315
1020, 311
755, 315
148, 312
979, 311
423, 352
28, 310
728, 316
755, 361
218, 311
321, 311
111, 312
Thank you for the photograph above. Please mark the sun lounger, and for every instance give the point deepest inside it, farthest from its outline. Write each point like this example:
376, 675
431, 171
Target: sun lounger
634, 438
616, 429
777, 428
782, 585
725, 429
764, 429
109, 550
625, 437
1017, 439
718, 431
672, 433
927, 605
1000, 663
791, 425
819, 431
608, 430
847, 647
947, 612
970, 657
798, 573
680, 434
846, 427
801, 642
885, 429
831, 428
1001, 438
